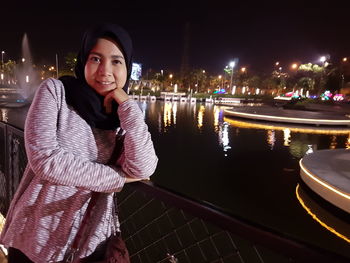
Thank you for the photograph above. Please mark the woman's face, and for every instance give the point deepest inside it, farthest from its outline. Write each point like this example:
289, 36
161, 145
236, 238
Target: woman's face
105, 68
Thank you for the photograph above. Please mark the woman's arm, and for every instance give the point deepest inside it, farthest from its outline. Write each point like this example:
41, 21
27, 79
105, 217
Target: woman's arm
52, 163
138, 159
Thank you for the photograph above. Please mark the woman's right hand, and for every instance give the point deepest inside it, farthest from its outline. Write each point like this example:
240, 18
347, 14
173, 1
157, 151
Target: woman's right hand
131, 180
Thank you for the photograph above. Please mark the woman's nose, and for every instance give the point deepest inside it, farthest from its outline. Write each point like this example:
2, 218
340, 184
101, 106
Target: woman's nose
105, 69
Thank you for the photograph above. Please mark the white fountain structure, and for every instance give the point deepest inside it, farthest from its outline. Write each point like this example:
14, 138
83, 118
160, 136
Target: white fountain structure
21, 90
27, 78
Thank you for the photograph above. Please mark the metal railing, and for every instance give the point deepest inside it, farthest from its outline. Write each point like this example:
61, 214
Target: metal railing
159, 225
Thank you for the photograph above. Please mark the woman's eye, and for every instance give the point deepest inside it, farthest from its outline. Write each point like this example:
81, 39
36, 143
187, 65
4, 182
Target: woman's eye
116, 61
95, 59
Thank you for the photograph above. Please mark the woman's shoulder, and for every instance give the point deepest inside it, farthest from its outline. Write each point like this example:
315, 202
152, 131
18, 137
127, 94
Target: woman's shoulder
52, 83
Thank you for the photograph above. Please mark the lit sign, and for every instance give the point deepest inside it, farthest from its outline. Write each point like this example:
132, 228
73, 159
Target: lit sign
136, 71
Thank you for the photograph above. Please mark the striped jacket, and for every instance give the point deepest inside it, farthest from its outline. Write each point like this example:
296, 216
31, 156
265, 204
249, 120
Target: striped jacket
66, 163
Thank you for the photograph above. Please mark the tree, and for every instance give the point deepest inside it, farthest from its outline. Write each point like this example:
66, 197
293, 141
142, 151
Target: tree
71, 61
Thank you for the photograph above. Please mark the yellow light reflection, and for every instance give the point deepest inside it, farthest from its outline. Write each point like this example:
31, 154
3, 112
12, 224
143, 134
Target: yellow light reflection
308, 210
216, 112
333, 144
312, 130
347, 144
167, 114
200, 116
286, 136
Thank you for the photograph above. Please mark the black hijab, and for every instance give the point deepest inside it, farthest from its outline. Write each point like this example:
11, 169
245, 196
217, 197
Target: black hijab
84, 99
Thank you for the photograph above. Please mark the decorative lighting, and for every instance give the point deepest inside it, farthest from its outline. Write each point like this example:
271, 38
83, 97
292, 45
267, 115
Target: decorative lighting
314, 216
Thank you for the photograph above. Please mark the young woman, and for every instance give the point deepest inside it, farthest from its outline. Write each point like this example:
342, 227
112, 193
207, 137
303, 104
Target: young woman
73, 131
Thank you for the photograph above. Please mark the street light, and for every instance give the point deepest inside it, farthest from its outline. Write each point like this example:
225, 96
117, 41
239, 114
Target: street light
171, 79
294, 66
232, 65
2, 59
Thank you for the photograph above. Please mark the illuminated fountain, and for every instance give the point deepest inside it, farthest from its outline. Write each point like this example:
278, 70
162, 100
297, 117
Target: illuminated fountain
20, 91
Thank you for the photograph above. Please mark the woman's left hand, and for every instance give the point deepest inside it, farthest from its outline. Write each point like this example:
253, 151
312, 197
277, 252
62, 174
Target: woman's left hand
118, 94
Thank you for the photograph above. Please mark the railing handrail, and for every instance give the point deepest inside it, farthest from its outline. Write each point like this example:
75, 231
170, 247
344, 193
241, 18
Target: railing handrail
269, 238
262, 235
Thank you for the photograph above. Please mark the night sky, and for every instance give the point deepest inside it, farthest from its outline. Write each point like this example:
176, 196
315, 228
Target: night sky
257, 34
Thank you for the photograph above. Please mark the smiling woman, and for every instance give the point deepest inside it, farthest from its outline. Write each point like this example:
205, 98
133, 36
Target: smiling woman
84, 140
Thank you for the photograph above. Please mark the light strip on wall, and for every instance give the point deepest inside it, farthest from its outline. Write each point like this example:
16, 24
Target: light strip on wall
321, 182
286, 118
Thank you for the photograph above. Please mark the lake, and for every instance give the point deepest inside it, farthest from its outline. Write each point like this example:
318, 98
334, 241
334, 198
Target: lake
249, 169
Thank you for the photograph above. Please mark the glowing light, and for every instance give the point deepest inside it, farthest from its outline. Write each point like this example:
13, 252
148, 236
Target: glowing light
310, 149
221, 91
243, 69
234, 90
294, 66
243, 90
338, 97
232, 64
175, 88
2, 76
257, 91
277, 63
347, 144
321, 182
323, 59
314, 216
345, 59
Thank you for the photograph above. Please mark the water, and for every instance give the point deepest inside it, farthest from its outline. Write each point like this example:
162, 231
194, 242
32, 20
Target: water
248, 169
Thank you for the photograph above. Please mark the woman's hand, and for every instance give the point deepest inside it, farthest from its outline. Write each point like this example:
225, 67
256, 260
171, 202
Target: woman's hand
118, 94
131, 180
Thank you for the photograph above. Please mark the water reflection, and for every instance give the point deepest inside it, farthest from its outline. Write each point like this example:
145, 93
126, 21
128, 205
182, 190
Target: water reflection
286, 137
271, 138
216, 113
167, 114
174, 109
298, 145
327, 220
333, 144
200, 116
224, 140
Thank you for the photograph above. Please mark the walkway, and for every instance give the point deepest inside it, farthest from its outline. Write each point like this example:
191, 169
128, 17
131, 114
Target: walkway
327, 172
274, 114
